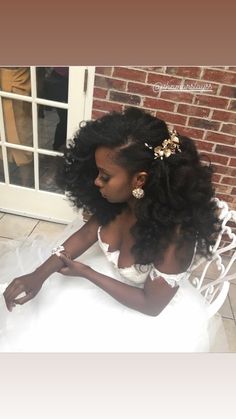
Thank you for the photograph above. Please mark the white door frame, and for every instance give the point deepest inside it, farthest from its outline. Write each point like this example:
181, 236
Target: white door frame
36, 203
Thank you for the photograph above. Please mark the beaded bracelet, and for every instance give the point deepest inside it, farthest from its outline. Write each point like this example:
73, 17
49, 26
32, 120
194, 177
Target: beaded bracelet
57, 250
60, 249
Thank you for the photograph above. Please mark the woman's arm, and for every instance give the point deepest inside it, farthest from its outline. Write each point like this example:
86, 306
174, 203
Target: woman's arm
31, 283
75, 246
150, 300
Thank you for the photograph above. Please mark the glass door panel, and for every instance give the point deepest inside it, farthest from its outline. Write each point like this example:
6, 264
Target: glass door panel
52, 83
52, 127
20, 174
15, 80
2, 177
40, 109
48, 166
17, 116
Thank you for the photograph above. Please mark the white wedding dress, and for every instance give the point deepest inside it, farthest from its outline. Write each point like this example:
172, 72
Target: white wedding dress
70, 314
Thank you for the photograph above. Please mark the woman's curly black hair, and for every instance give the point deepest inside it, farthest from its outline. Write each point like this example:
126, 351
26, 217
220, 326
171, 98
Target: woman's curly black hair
178, 191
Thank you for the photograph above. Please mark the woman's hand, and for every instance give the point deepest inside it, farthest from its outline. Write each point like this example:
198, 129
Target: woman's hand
72, 268
29, 284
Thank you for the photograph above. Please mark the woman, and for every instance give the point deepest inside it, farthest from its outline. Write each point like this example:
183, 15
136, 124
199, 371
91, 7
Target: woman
152, 210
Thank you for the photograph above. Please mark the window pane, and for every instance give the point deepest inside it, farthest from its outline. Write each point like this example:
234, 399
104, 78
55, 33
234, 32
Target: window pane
17, 116
20, 174
15, 80
48, 166
2, 178
52, 127
52, 83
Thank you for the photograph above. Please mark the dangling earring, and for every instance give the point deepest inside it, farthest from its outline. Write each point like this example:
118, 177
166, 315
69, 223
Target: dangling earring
138, 193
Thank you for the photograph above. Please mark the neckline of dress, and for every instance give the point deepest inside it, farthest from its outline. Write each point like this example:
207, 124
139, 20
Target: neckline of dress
113, 252
152, 265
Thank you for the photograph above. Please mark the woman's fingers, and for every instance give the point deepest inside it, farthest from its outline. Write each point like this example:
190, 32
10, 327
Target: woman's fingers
23, 300
14, 293
9, 305
19, 298
9, 298
69, 265
65, 270
66, 260
14, 289
21, 290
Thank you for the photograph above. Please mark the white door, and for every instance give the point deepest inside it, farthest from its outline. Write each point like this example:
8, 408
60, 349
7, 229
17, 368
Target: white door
40, 107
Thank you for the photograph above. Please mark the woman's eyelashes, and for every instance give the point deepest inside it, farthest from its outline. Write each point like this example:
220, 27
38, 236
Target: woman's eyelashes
104, 177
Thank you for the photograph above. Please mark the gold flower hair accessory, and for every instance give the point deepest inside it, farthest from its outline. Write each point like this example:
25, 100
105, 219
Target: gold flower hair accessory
167, 148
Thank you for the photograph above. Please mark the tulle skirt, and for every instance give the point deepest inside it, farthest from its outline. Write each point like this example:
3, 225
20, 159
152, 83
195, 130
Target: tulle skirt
70, 314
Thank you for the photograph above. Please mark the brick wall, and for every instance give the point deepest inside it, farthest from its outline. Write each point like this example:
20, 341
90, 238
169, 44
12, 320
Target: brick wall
208, 117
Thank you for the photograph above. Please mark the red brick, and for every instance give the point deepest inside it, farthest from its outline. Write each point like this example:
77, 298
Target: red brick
224, 197
99, 93
193, 72
233, 191
103, 70
190, 132
224, 116
220, 138
216, 178
222, 188
142, 89
173, 118
219, 76
150, 111
204, 123
232, 68
216, 158
97, 114
232, 105
193, 110
124, 98
229, 181
156, 69
229, 128
109, 83
212, 101
228, 91
164, 79
106, 106
225, 170
159, 104
232, 162
178, 96
228, 151
210, 88
204, 146
129, 74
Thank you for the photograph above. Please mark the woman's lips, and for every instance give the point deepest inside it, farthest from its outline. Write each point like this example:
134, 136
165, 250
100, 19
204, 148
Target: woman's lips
104, 196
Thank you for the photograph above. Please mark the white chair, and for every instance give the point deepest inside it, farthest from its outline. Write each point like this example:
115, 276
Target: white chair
215, 290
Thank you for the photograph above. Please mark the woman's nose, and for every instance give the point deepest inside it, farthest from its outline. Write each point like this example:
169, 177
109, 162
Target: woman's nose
98, 182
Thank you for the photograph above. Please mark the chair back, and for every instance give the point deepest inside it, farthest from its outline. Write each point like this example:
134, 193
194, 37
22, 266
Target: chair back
212, 277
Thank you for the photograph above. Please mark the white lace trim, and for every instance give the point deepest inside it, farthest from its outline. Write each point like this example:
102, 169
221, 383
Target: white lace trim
134, 275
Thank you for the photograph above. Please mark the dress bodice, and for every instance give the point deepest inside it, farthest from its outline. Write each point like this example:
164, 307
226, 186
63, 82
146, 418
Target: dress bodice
137, 274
